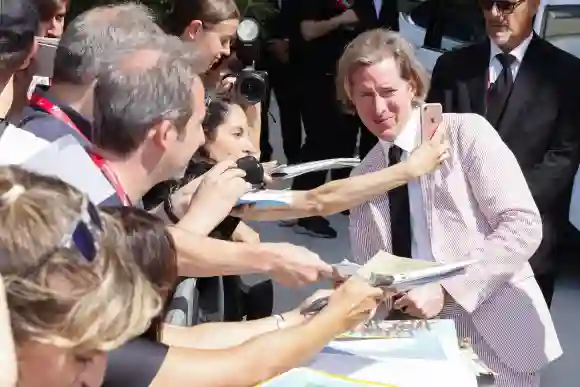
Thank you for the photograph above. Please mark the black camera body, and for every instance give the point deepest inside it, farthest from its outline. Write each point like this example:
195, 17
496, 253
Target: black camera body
251, 84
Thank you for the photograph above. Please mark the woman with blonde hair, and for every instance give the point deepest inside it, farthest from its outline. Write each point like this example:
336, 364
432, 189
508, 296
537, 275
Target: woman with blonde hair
72, 293
477, 205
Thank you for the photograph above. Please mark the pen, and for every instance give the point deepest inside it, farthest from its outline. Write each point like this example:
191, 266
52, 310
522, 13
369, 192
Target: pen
375, 280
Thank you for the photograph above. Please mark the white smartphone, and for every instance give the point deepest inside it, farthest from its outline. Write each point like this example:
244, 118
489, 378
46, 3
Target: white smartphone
431, 117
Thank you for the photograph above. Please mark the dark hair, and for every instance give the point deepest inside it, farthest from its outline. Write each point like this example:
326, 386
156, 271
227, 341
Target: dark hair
200, 162
209, 12
47, 9
153, 250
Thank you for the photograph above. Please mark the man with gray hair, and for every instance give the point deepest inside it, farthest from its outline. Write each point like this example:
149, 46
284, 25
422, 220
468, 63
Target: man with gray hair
91, 42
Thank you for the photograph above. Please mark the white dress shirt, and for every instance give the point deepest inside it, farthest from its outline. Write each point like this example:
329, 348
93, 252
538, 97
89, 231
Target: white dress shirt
378, 6
408, 140
495, 66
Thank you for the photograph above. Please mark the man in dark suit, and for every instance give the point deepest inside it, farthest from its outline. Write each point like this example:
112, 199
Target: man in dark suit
529, 90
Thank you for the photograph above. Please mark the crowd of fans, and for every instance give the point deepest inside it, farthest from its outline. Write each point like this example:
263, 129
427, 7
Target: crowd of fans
82, 281
93, 294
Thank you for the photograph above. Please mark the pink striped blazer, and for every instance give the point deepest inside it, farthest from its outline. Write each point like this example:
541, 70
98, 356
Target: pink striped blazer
477, 205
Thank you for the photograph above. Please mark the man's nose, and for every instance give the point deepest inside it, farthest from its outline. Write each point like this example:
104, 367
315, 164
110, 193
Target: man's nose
379, 105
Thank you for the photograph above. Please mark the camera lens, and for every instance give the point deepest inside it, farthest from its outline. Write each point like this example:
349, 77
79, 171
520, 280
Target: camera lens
252, 88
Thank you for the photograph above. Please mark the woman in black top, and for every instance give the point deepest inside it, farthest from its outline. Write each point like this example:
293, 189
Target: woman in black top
227, 137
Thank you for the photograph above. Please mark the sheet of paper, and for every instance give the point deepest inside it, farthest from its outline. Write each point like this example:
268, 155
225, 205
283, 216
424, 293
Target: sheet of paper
17, 145
283, 172
267, 198
387, 264
431, 357
304, 377
408, 273
68, 160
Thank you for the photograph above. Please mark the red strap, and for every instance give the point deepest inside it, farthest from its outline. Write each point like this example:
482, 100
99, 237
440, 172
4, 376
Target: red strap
49, 107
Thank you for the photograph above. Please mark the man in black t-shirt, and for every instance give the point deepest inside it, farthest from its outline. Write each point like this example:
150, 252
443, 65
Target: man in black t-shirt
324, 27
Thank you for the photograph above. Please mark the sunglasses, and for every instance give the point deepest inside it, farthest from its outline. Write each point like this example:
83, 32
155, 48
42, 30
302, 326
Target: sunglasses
503, 6
84, 232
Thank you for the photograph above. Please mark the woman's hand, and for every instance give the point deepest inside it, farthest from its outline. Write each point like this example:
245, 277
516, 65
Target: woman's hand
354, 302
430, 154
218, 192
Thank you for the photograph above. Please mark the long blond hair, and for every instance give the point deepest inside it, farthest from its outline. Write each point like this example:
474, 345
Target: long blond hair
55, 295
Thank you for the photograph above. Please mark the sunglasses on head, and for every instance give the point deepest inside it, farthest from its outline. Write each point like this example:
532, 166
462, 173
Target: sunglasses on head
85, 231
503, 6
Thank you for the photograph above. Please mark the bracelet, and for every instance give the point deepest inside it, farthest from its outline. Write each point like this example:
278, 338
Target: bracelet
280, 321
168, 208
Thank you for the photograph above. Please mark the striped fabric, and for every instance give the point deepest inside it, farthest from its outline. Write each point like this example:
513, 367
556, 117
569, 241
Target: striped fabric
477, 205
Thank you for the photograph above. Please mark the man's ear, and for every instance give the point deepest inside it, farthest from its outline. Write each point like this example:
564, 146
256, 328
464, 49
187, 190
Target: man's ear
194, 29
163, 134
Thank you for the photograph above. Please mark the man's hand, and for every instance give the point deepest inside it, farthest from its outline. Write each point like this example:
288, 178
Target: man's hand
218, 192
348, 17
295, 265
424, 302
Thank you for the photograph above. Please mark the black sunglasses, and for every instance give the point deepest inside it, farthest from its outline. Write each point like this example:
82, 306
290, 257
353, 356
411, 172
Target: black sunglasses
503, 6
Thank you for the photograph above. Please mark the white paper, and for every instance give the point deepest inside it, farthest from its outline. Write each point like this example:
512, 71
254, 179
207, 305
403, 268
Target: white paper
17, 145
418, 273
69, 161
267, 198
431, 358
283, 172
574, 215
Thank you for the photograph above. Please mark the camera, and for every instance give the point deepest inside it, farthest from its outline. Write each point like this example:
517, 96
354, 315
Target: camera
251, 84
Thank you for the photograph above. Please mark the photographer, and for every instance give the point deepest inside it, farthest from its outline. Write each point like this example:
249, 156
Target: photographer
212, 25
18, 27
227, 137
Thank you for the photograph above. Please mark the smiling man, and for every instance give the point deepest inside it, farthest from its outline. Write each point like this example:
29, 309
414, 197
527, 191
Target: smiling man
528, 90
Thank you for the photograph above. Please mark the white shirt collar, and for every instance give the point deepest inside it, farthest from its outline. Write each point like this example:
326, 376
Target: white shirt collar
517, 52
410, 137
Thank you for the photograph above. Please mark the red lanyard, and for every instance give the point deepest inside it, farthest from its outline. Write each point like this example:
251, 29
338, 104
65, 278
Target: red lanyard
49, 107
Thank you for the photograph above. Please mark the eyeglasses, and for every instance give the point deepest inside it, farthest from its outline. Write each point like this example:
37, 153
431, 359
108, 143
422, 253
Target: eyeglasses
85, 231
503, 6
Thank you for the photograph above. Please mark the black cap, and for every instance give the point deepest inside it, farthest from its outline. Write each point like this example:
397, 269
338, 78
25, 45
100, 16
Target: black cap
18, 25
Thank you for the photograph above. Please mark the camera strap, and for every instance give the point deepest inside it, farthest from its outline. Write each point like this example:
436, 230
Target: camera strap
44, 104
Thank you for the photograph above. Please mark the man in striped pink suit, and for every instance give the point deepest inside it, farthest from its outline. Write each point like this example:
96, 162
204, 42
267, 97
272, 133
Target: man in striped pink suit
477, 205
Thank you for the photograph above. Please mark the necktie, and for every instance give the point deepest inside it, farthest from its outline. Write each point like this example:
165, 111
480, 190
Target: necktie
500, 90
400, 212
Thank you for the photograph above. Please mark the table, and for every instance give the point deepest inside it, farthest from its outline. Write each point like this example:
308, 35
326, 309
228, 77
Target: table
431, 358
